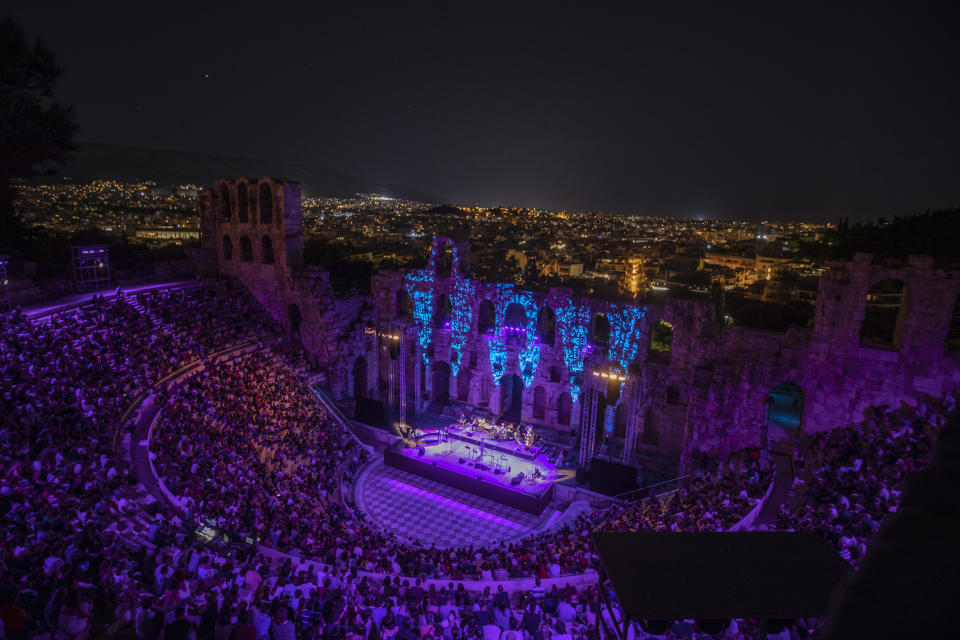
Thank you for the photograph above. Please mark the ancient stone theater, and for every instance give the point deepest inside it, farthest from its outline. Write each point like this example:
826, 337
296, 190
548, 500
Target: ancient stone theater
437, 339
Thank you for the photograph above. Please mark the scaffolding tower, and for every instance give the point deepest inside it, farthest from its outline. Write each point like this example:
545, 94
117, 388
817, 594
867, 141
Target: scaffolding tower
91, 267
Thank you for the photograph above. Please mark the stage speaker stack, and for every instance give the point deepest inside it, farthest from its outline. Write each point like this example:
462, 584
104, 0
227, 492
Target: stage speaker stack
612, 478
582, 475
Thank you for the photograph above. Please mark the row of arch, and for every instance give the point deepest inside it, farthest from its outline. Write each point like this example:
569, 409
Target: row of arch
515, 316
246, 249
245, 207
885, 316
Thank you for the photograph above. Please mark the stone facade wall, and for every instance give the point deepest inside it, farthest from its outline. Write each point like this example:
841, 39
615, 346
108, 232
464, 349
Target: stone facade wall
299, 298
707, 394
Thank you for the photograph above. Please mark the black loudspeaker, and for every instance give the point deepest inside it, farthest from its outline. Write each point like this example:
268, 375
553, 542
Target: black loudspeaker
421, 452
612, 478
371, 412
461, 460
582, 475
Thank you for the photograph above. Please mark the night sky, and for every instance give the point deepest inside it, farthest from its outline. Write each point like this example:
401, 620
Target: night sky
772, 110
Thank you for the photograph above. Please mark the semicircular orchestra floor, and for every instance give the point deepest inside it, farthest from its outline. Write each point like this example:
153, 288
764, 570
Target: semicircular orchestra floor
419, 510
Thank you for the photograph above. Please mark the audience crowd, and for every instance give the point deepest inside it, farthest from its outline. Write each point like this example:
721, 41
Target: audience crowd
859, 472
246, 449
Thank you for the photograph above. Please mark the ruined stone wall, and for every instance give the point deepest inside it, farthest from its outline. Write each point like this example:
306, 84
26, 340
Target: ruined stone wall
267, 212
839, 376
708, 393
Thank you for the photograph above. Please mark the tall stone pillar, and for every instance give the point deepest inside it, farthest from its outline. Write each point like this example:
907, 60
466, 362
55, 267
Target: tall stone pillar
495, 399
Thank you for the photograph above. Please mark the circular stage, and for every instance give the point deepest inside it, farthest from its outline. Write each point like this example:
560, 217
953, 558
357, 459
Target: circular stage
417, 509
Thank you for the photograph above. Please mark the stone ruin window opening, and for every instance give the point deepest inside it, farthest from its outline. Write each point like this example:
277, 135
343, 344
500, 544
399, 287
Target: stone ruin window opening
600, 330
883, 317
661, 341
486, 318
246, 249
539, 403
266, 203
546, 326
554, 373
441, 316
227, 247
224, 203
266, 245
784, 411
243, 202
515, 320
444, 260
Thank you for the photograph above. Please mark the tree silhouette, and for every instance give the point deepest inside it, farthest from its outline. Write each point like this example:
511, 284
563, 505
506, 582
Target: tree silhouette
36, 130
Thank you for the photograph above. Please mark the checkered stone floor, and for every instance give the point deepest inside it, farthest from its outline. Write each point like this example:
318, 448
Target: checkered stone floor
415, 508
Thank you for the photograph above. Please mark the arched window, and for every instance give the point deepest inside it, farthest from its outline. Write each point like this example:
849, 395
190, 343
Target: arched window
266, 244
441, 314
661, 341
246, 249
882, 319
953, 333
404, 304
227, 248
539, 403
266, 203
515, 317
546, 326
600, 330
243, 202
784, 410
486, 318
224, 203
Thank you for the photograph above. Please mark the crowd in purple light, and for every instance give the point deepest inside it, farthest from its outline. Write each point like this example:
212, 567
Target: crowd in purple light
858, 472
247, 444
